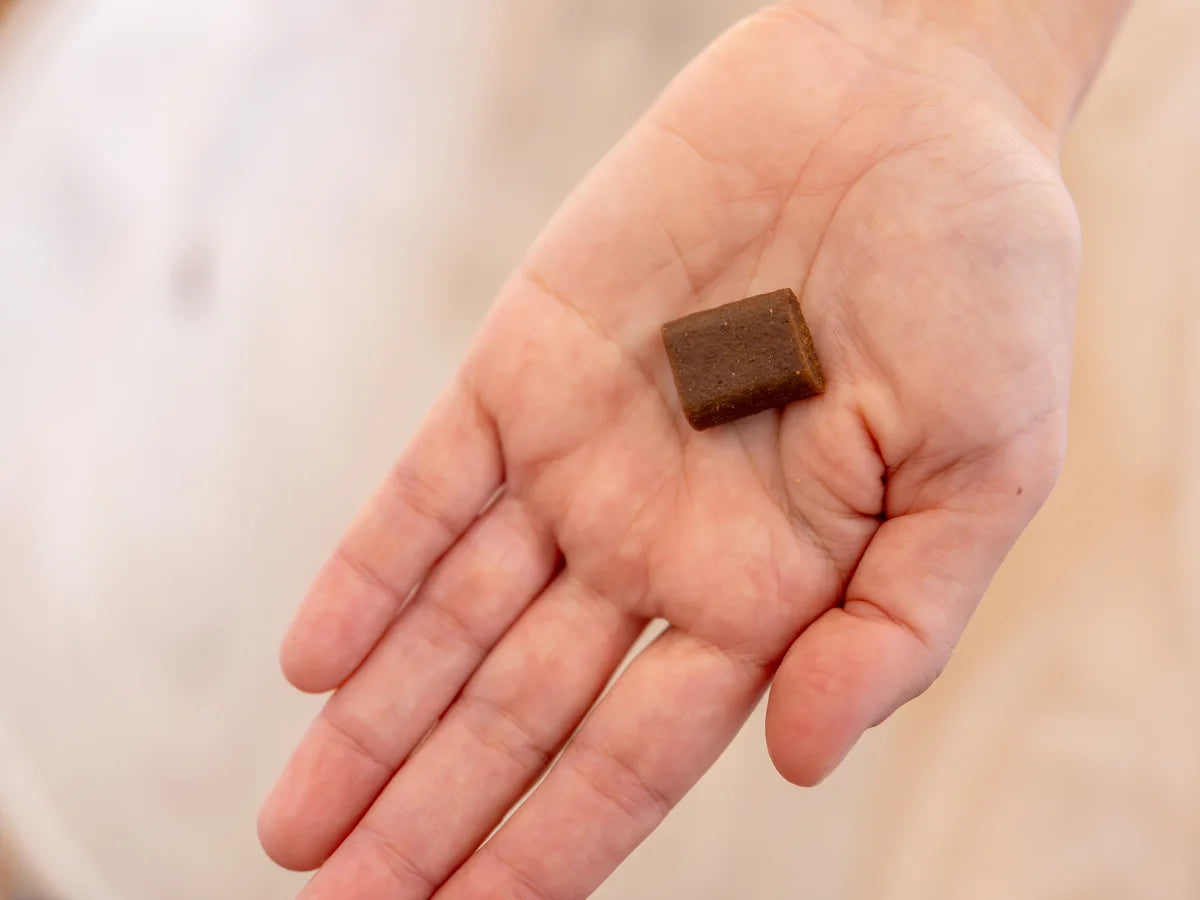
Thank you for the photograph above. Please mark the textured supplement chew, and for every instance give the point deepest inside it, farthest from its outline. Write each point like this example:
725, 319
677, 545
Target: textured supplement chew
742, 358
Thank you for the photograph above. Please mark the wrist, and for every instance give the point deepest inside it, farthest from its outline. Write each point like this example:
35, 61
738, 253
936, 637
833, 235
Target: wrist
1042, 53
1046, 51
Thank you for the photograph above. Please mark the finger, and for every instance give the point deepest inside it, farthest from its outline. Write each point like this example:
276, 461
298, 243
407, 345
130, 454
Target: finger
661, 726
375, 719
439, 485
512, 717
907, 604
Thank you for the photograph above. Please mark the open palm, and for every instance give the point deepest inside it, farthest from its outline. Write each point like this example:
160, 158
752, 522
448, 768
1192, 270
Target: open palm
555, 501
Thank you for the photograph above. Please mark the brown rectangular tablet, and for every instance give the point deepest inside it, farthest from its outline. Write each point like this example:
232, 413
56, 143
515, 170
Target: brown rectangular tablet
742, 358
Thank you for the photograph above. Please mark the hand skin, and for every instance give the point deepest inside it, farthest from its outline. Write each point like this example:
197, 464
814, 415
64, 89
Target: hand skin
873, 157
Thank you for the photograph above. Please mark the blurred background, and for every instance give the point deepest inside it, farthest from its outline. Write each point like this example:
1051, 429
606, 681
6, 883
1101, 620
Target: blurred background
243, 243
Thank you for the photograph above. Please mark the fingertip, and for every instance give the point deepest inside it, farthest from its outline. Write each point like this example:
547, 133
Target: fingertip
843, 675
305, 670
800, 755
277, 836
338, 622
298, 825
268, 836
802, 770
799, 768
809, 730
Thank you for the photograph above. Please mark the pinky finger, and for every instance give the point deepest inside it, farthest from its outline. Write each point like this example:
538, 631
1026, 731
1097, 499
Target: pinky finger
437, 488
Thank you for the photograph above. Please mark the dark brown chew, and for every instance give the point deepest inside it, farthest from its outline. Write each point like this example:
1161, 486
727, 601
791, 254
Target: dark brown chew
741, 358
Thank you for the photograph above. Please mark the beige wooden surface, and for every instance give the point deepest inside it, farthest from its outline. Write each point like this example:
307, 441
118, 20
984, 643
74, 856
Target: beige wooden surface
241, 244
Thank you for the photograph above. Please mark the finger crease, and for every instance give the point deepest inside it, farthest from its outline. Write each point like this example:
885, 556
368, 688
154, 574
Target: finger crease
862, 608
350, 738
367, 575
489, 423
755, 664
640, 794
533, 891
423, 499
527, 744
403, 868
453, 622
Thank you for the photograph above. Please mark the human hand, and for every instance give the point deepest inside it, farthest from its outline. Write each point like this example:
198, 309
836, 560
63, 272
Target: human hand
837, 547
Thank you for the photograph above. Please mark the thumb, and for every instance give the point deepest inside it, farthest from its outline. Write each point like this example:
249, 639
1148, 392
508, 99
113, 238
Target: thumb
906, 606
